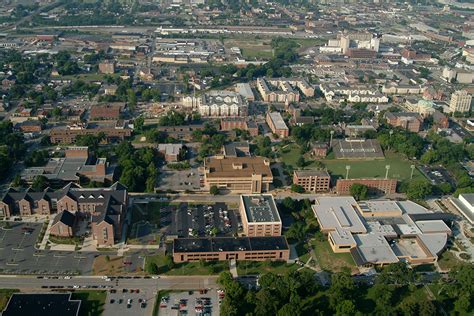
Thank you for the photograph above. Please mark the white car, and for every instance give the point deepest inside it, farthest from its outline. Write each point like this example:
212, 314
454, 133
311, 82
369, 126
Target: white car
154, 277
75, 287
67, 277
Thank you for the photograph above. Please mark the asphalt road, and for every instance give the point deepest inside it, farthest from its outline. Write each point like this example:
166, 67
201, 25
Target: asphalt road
163, 283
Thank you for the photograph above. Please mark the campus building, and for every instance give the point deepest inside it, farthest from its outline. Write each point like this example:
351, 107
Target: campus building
407, 120
232, 123
277, 124
374, 185
465, 205
115, 133
42, 304
312, 180
283, 90
238, 174
231, 248
381, 232
104, 208
77, 163
172, 152
259, 215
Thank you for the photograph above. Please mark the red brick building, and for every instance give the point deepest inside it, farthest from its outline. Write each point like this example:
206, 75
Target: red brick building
312, 180
386, 186
407, 120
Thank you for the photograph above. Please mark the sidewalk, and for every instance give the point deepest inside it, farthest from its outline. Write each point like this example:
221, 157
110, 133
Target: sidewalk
44, 242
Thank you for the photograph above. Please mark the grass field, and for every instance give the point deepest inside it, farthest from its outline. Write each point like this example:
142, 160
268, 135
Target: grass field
102, 266
251, 48
5, 295
447, 260
330, 261
92, 302
399, 167
260, 267
188, 268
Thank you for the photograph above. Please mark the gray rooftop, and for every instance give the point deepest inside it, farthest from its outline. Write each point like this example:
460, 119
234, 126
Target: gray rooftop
277, 120
260, 208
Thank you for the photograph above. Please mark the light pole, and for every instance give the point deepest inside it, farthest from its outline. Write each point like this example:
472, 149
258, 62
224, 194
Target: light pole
347, 171
387, 168
330, 142
390, 139
412, 167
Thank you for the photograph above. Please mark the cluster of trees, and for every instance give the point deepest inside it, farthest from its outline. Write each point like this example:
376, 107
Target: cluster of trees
304, 221
394, 293
79, 87
12, 147
37, 158
263, 147
211, 140
65, 65
359, 191
172, 118
310, 132
284, 54
407, 143
137, 167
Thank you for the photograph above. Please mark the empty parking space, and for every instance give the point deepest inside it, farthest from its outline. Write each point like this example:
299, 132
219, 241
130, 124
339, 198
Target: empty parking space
129, 301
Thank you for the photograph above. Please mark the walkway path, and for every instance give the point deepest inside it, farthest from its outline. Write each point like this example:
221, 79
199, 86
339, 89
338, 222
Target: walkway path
44, 242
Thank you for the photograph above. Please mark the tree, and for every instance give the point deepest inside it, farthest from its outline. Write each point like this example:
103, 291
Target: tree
359, 191
419, 189
214, 190
345, 308
297, 188
16, 181
301, 162
151, 268
297, 231
138, 124
107, 258
39, 183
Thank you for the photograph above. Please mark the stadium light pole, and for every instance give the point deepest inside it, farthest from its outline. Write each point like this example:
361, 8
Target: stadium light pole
330, 142
412, 167
347, 171
387, 168
390, 139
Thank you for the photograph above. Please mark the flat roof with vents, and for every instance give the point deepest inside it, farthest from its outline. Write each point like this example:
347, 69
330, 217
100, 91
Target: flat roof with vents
260, 208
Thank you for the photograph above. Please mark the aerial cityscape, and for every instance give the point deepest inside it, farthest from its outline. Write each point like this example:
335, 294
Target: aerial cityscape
236, 157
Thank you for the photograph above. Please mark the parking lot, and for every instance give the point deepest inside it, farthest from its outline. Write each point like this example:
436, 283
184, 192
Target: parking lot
19, 256
199, 220
129, 301
190, 303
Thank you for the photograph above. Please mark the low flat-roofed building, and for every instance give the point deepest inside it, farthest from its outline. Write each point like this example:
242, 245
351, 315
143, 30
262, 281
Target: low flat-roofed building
433, 226
236, 149
341, 240
312, 180
42, 304
379, 208
77, 163
372, 249
105, 112
332, 212
277, 124
231, 248
238, 174
171, 152
259, 215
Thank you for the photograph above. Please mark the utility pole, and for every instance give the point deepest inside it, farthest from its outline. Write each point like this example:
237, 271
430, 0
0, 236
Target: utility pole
412, 167
347, 171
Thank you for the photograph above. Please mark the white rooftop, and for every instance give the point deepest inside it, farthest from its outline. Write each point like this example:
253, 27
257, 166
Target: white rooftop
374, 248
333, 212
434, 226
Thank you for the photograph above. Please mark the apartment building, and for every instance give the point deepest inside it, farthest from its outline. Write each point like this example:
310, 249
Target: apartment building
283, 90
259, 215
105, 112
232, 123
172, 152
231, 248
238, 174
105, 208
460, 101
385, 186
406, 120
277, 124
312, 180
218, 103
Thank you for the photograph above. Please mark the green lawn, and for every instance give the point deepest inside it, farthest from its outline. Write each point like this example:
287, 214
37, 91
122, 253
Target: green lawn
260, 267
188, 268
447, 260
88, 77
5, 295
92, 302
330, 261
251, 48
